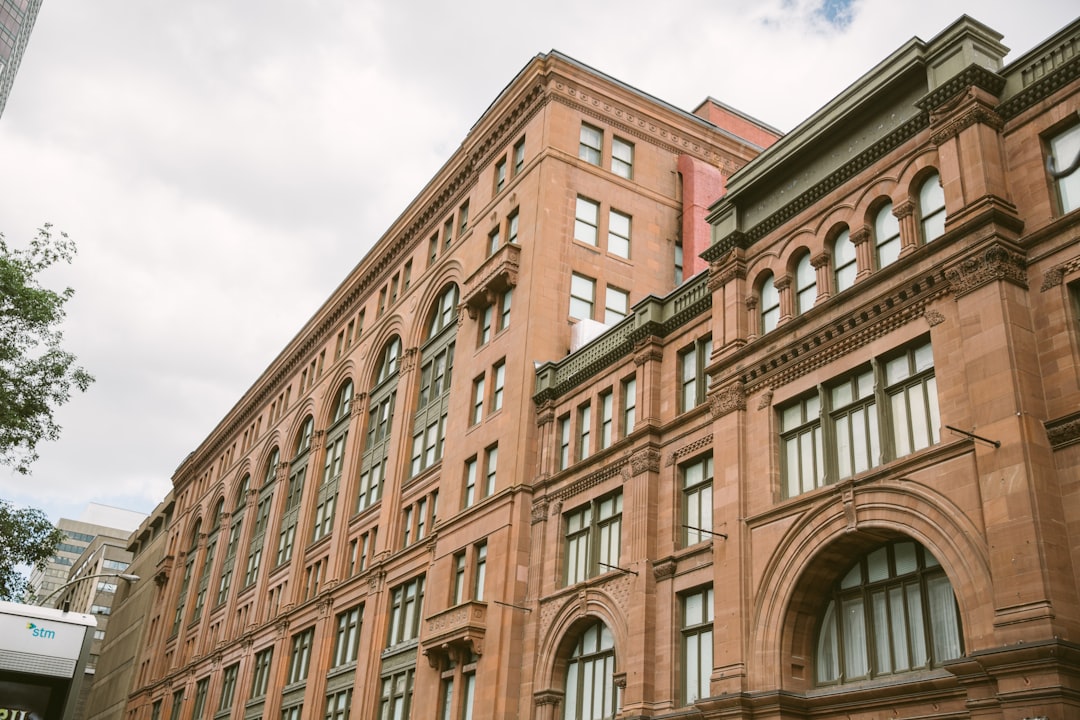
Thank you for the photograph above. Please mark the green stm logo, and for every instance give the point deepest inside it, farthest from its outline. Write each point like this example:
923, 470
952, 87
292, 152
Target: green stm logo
40, 632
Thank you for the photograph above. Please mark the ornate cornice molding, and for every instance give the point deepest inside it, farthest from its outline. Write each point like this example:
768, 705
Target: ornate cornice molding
689, 449
990, 264
977, 114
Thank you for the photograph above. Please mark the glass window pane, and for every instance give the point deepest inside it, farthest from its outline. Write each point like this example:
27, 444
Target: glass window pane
856, 663
877, 565
915, 625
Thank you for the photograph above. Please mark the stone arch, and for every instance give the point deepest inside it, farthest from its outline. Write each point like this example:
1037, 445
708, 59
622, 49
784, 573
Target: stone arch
828, 536
576, 613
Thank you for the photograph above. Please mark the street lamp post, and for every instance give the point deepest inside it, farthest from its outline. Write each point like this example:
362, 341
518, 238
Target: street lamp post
123, 576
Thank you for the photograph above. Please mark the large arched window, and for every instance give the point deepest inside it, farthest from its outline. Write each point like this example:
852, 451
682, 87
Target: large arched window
336, 436
290, 514
805, 284
185, 583
236, 522
932, 208
770, 305
373, 463
262, 517
886, 236
590, 676
844, 266
208, 561
436, 369
892, 612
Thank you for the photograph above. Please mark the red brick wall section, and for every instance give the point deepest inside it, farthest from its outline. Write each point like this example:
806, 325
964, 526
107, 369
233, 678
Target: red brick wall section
702, 186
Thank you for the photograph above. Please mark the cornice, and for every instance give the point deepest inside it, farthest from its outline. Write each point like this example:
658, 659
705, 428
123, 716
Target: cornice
972, 76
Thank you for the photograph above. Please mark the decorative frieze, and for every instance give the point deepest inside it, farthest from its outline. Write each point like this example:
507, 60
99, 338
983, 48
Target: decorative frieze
992, 264
645, 460
1055, 276
1063, 431
663, 570
690, 449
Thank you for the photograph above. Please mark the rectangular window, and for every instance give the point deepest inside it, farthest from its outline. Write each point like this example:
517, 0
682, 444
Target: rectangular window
607, 417
512, 227
458, 595
478, 400
504, 308
697, 504
840, 430
616, 305
1064, 149
590, 144
564, 442
584, 418
407, 526
492, 462
593, 538
493, 241
292, 712
697, 642
622, 158
586, 221
395, 702
260, 677
347, 639
519, 155
448, 231
228, 687
300, 659
463, 218
338, 705
486, 317
618, 241
678, 264
177, 705
500, 175
499, 381
406, 601
629, 405
199, 709
582, 297
693, 380
479, 571
470, 481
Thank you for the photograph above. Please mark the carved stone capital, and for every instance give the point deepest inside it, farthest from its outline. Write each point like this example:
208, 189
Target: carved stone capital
648, 349
820, 260
1052, 278
766, 400
859, 236
663, 570
782, 282
903, 209
1063, 431
977, 113
730, 267
728, 399
356, 407
317, 440
995, 263
645, 460
539, 510
547, 697
545, 414
751, 302
408, 359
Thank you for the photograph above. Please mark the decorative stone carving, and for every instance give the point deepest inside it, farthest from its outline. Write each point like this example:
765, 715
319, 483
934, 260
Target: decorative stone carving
1063, 431
545, 414
663, 570
995, 263
1052, 278
933, 317
782, 282
556, 508
903, 209
408, 359
547, 697
317, 440
859, 236
648, 349
539, 510
728, 268
820, 260
766, 400
978, 114
356, 407
645, 460
728, 399
751, 302
689, 449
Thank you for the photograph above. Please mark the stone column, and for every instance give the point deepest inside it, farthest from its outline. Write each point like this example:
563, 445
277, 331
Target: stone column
820, 263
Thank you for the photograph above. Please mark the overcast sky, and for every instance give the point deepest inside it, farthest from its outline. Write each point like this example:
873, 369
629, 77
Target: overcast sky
222, 165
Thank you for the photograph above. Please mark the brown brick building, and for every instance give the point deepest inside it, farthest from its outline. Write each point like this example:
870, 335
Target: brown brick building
822, 461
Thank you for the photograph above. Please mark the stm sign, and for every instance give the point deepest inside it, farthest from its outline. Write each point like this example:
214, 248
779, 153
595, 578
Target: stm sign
40, 632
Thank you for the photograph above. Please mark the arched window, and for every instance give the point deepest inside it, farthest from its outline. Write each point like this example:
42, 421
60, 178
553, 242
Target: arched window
892, 612
886, 236
290, 514
932, 208
805, 285
336, 437
770, 305
436, 369
236, 522
590, 676
844, 267
262, 517
208, 562
373, 463
189, 569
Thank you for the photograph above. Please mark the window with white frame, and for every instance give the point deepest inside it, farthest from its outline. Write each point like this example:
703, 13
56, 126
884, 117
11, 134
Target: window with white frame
769, 304
478, 400
931, 208
300, 658
629, 404
519, 156
498, 385
436, 375
805, 284
491, 464
564, 442
584, 425
622, 157
260, 676
582, 296
607, 418
373, 461
590, 144
697, 644
886, 236
586, 220
843, 258
593, 538
618, 241
893, 612
616, 305
338, 704
469, 494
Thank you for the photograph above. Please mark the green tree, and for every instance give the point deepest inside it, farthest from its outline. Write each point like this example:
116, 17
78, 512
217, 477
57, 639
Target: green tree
36, 374
27, 538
